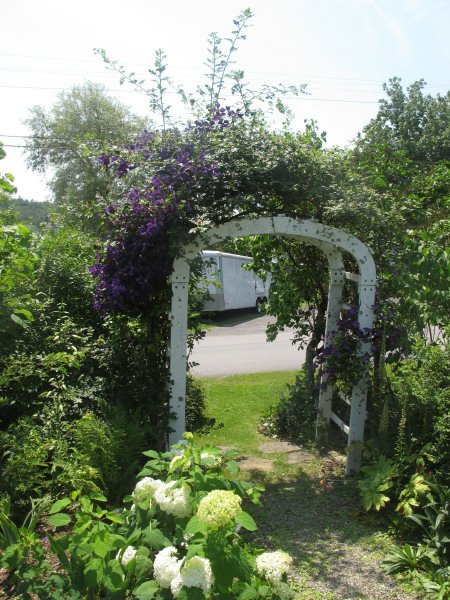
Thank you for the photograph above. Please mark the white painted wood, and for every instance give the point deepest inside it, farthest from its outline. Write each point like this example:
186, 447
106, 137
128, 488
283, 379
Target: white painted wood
336, 285
352, 276
332, 242
339, 422
178, 349
359, 392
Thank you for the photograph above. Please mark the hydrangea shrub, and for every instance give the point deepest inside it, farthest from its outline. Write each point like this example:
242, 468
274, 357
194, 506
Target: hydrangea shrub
178, 537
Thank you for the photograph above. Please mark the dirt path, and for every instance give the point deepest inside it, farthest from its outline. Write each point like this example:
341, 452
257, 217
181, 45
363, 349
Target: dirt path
315, 517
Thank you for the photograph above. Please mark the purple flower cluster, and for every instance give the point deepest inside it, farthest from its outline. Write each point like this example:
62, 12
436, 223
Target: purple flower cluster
341, 359
115, 162
154, 218
220, 118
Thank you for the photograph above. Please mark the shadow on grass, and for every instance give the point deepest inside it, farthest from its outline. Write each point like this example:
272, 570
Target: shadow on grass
228, 318
315, 519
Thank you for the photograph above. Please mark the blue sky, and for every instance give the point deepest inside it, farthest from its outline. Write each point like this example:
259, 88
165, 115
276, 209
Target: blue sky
343, 49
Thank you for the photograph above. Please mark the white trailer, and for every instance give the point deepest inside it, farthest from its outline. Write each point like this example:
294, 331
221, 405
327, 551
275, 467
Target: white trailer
230, 286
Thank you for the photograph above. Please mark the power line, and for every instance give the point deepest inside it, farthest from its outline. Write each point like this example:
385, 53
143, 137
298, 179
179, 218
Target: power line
31, 87
193, 68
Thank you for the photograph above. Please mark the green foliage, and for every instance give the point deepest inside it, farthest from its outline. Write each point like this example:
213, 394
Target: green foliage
195, 405
295, 415
64, 256
6, 183
410, 495
409, 122
119, 553
420, 387
436, 585
425, 560
432, 517
17, 263
67, 137
427, 275
376, 480
409, 558
33, 213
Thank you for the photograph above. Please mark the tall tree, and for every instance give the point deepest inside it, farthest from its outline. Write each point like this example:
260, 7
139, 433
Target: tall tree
403, 154
67, 137
411, 131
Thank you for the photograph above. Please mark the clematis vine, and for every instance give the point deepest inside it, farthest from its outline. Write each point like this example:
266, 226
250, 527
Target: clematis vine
162, 178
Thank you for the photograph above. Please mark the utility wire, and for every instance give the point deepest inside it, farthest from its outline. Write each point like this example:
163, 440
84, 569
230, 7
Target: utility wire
31, 87
193, 68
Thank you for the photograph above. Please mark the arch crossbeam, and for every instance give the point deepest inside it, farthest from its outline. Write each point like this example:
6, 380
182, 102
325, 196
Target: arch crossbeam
333, 242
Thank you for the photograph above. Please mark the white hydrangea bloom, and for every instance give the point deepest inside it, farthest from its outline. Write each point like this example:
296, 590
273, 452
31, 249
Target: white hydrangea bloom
176, 585
174, 500
129, 554
273, 565
219, 507
166, 566
196, 572
145, 489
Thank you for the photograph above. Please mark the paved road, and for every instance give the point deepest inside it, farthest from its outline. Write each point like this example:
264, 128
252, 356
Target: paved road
242, 348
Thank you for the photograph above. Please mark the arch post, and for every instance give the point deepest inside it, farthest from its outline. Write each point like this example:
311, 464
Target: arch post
366, 293
178, 348
336, 286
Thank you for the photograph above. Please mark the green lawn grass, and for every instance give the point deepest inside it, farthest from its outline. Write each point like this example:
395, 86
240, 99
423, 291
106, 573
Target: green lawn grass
314, 522
239, 401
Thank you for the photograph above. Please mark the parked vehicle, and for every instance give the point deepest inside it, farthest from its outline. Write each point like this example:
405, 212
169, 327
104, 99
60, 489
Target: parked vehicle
230, 285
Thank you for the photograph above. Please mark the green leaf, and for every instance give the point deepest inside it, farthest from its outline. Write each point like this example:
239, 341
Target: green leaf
19, 321
248, 594
94, 572
100, 547
195, 526
115, 518
190, 593
151, 454
194, 550
146, 591
143, 566
155, 538
246, 520
233, 467
113, 576
58, 505
26, 313
98, 497
59, 520
231, 453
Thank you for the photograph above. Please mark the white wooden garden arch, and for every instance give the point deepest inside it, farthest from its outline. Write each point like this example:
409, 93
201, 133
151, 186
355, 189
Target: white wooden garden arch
332, 242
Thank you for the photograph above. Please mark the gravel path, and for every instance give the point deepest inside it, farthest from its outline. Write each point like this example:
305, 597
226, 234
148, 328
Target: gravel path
337, 552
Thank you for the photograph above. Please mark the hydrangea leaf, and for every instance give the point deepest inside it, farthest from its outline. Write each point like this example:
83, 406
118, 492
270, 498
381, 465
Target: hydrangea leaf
146, 591
246, 520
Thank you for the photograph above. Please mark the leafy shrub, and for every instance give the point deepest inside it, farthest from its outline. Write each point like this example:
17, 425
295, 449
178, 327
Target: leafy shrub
376, 480
64, 255
296, 413
48, 455
421, 390
195, 405
179, 539
426, 557
135, 370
